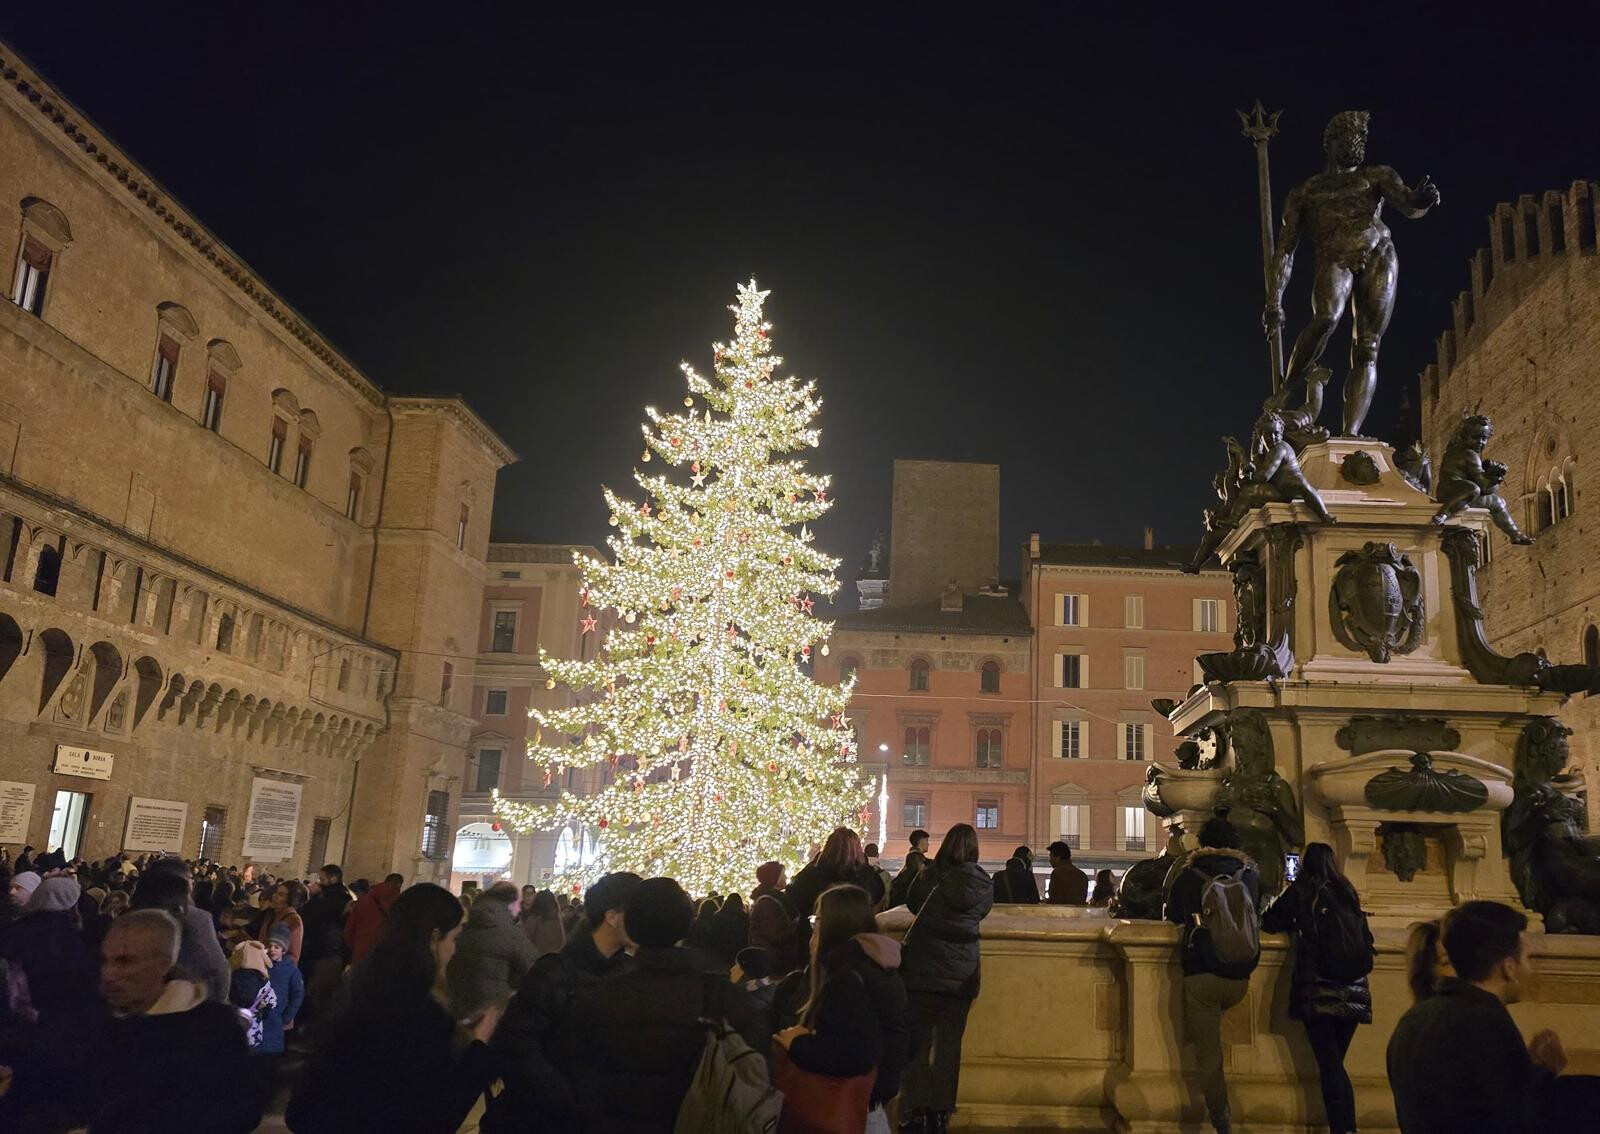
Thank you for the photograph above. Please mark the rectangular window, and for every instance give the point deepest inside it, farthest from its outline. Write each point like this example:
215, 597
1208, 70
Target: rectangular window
494, 703
1133, 612
461, 528
280, 435
988, 748
1133, 671
1072, 671
211, 410
435, 835
318, 858
919, 676
988, 815
1133, 828
1071, 609
211, 833
1068, 739
352, 497
505, 632
302, 462
488, 777
33, 272
1207, 615
446, 679
165, 370
1135, 740
1069, 822
918, 745
914, 813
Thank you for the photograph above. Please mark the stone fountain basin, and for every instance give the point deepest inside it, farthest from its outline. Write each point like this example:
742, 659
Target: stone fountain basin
1343, 782
1183, 790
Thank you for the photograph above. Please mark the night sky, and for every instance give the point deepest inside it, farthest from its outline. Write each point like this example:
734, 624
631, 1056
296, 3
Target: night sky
1027, 237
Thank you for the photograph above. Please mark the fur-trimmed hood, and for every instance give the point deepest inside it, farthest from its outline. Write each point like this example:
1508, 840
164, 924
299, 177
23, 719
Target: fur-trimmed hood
1238, 856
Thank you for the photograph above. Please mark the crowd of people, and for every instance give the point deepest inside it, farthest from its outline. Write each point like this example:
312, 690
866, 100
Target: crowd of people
151, 994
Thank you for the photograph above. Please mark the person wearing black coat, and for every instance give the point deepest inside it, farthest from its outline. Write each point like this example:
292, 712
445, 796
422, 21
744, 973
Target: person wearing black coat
1016, 885
634, 1040
392, 1057
730, 930
527, 1042
940, 967
856, 1018
1330, 1009
842, 860
1457, 1062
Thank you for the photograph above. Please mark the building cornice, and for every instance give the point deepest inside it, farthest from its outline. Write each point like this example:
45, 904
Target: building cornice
1173, 574
457, 409
33, 91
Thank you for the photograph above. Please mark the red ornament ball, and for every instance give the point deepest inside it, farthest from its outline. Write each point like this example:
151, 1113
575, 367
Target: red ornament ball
494, 826
604, 823
772, 767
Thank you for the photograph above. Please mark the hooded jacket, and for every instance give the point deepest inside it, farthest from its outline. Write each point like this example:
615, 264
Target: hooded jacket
860, 1023
1183, 901
492, 956
1016, 885
364, 922
941, 947
1310, 993
815, 877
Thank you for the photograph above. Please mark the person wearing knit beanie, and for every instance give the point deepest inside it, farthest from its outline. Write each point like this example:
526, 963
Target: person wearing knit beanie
770, 875
57, 893
22, 887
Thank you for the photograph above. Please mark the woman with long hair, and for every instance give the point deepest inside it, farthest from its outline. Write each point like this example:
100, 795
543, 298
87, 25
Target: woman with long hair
541, 921
284, 909
1426, 961
941, 972
841, 859
1105, 889
392, 1058
854, 1019
1329, 1004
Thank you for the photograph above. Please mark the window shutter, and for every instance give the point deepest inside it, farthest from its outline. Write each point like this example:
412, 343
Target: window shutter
1122, 742
1058, 738
214, 381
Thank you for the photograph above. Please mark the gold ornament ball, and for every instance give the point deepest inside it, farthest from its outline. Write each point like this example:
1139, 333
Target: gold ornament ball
645, 456
688, 401
612, 519
550, 683
824, 649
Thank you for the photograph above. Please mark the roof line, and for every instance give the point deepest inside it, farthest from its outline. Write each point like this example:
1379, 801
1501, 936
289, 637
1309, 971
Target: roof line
456, 406
98, 146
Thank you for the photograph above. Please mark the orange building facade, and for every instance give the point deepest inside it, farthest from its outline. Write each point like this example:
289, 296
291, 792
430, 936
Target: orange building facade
1113, 628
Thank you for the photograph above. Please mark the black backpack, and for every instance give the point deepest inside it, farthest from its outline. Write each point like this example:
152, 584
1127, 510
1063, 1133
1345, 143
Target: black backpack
1343, 939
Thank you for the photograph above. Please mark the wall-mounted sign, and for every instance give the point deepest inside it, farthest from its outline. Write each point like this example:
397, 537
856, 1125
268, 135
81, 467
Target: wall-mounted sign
274, 815
85, 762
155, 825
16, 808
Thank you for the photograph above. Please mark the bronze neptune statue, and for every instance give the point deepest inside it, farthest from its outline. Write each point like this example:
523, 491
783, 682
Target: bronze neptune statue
1356, 264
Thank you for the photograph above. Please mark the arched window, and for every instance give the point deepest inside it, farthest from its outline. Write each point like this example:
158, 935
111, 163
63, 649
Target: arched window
223, 364
225, 633
848, 668
47, 575
344, 675
1591, 645
310, 430
988, 748
1543, 508
918, 745
919, 675
45, 235
989, 678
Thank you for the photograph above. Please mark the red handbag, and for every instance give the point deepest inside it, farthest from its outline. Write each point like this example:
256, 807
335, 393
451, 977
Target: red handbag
820, 1104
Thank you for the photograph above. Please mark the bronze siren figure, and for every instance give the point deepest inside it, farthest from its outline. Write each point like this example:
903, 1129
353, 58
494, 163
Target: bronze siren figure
1356, 265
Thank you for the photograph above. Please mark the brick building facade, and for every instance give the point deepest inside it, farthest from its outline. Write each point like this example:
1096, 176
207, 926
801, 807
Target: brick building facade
1522, 347
241, 585
530, 602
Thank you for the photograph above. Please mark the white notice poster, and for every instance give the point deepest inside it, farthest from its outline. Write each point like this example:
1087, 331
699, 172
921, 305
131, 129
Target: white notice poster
274, 815
155, 825
16, 808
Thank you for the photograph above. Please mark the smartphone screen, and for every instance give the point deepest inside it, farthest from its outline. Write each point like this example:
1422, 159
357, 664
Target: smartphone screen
1291, 867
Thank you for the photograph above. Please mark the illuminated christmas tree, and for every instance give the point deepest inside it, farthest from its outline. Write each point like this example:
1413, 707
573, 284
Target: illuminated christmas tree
719, 749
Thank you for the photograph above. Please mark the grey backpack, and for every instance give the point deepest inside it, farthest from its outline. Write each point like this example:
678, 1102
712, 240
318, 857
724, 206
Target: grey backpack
730, 1092
1228, 937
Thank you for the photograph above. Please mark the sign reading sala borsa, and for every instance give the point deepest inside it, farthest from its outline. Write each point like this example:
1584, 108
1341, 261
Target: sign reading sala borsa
85, 762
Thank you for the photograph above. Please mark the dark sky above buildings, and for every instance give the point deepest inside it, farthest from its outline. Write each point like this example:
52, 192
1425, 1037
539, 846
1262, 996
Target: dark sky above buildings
1025, 235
